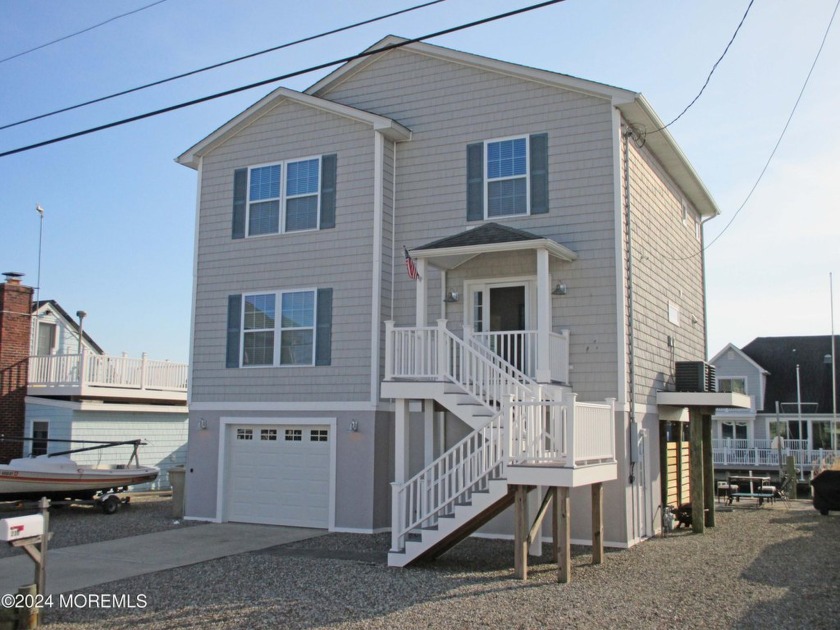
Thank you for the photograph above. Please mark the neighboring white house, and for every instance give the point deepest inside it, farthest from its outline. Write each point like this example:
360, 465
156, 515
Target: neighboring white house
94, 396
431, 282
789, 382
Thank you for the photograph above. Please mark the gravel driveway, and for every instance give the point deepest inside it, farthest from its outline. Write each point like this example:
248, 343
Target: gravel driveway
770, 567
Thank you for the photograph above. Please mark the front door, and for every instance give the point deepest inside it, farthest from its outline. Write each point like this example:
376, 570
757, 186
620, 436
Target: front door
498, 312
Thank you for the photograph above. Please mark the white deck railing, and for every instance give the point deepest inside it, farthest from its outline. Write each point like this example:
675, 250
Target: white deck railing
413, 352
104, 371
760, 453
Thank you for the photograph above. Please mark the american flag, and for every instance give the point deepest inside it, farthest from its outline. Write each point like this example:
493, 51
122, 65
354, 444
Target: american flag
409, 266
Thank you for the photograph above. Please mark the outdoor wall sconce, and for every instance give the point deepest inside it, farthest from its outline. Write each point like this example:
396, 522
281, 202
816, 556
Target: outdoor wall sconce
560, 289
354, 426
202, 424
451, 296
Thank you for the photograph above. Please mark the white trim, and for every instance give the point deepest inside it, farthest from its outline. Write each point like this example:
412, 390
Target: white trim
620, 279
200, 169
221, 473
278, 329
376, 273
109, 407
472, 286
31, 422
320, 406
741, 353
359, 530
468, 251
392, 129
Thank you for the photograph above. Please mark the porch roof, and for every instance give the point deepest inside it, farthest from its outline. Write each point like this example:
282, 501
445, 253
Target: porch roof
453, 251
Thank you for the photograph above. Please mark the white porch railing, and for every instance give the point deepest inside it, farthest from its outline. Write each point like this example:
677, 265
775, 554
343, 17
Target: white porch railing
566, 433
104, 371
760, 453
413, 352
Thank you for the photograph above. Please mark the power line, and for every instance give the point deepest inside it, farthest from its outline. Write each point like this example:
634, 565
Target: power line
223, 63
251, 86
784, 130
775, 147
84, 30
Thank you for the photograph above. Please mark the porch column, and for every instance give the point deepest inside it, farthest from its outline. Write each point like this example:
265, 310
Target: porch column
708, 471
420, 288
695, 462
543, 374
428, 432
401, 440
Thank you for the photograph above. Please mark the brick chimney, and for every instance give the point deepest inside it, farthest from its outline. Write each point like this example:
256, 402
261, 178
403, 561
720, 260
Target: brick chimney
15, 331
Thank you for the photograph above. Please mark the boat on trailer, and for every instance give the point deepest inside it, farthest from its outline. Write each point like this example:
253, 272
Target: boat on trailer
59, 478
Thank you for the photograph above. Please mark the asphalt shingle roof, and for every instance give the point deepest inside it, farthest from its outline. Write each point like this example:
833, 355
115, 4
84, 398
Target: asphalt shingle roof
487, 234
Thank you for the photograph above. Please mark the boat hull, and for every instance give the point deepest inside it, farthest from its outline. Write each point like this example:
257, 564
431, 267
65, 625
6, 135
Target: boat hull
33, 479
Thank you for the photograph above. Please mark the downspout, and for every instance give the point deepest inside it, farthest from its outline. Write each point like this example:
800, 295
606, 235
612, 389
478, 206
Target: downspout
630, 321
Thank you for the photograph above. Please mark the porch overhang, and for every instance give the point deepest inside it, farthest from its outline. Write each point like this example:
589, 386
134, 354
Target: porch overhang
454, 251
671, 403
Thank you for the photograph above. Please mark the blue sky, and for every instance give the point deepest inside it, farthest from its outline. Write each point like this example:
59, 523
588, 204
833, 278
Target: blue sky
119, 226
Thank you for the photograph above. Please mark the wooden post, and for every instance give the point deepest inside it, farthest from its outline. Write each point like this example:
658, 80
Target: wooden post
663, 464
563, 537
597, 523
520, 562
27, 616
695, 453
708, 471
41, 567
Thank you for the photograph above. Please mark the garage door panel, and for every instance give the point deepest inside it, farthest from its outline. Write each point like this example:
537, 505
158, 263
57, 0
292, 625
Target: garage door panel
278, 481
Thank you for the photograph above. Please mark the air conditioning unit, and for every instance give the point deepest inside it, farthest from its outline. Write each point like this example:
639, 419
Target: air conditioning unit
695, 376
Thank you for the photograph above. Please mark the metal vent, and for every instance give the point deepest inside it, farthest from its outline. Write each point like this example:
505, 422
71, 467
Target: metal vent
695, 376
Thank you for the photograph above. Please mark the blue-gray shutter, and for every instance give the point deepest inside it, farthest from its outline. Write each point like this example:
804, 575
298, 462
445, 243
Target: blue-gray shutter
539, 173
328, 177
475, 181
323, 327
240, 196
233, 330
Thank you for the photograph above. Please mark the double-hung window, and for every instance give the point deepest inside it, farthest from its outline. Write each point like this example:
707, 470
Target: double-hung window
280, 328
507, 177
284, 195
289, 196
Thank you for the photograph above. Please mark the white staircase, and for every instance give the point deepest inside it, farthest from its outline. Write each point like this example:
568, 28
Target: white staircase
517, 426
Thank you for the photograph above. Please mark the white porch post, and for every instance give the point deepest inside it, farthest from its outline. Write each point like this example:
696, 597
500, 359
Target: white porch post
543, 374
420, 288
428, 432
400, 470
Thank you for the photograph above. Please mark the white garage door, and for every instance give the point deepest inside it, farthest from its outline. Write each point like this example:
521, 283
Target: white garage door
279, 475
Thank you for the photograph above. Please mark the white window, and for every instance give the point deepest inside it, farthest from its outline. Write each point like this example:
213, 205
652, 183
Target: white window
287, 340
46, 338
733, 431
673, 313
506, 177
40, 437
284, 197
732, 385
294, 435
268, 434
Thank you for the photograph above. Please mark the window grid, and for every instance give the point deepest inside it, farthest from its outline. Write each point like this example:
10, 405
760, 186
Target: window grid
294, 187
506, 177
258, 323
318, 435
294, 435
268, 434
244, 434
268, 340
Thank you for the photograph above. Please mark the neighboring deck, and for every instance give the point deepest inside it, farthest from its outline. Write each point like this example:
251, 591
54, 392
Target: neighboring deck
78, 376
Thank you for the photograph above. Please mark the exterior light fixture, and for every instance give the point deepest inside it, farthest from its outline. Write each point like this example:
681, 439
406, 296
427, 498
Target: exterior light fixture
451, 296
560, 289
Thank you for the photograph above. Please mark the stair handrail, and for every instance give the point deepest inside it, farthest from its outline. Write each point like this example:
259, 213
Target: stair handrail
458, 472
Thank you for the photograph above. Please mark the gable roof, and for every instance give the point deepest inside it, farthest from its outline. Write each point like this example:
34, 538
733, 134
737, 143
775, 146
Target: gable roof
781, 355
44, 305
389, 128
739, 352
453, 251
633, 106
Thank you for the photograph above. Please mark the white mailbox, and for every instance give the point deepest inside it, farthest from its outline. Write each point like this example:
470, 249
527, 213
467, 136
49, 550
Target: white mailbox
21, 527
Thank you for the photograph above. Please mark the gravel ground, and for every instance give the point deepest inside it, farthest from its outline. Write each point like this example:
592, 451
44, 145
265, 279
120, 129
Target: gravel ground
81, 524
770, 567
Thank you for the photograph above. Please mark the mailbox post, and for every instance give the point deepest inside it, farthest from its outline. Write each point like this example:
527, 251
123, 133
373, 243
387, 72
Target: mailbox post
27, 532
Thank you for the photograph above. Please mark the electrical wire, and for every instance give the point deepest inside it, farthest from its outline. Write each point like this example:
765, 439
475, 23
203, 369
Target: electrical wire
221, 64
775, 147
84, 30
289, 75
714, 67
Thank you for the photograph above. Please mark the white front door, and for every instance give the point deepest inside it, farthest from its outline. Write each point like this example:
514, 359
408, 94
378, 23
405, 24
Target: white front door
279, 474
496, 311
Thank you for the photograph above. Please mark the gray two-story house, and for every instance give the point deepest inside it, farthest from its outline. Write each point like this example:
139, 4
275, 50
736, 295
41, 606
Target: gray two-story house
433, 284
